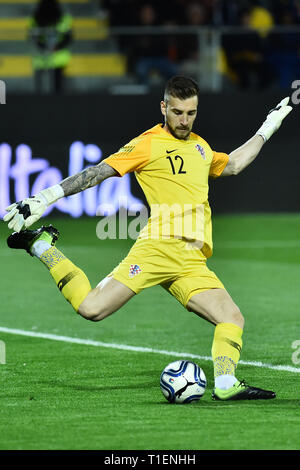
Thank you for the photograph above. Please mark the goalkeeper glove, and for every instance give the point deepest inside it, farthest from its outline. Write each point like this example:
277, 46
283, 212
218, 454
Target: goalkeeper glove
274, 119
24, 213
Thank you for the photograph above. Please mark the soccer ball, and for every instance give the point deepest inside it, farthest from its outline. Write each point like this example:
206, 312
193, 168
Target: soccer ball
182, 382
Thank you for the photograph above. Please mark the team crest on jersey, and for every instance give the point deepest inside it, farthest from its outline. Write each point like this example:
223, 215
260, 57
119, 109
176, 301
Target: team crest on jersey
201, 150
134, 270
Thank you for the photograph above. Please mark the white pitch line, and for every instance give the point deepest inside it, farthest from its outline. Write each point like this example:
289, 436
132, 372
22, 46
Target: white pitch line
126, 347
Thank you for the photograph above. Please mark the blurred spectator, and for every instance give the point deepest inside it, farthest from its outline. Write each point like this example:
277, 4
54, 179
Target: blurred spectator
282, 7
246, 53
220, 12
196, 14
51, 31
253, 59
285, 50
126, 12
151, 51
296, 11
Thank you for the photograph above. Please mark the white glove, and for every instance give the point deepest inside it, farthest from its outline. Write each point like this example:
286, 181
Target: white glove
25, 213
274, 119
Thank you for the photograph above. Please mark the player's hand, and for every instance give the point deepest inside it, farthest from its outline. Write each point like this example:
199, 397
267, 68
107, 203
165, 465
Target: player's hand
274, 119
28, 211
24, 213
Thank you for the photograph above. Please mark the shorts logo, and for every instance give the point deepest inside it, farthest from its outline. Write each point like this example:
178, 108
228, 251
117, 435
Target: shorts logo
134, 270
201, 150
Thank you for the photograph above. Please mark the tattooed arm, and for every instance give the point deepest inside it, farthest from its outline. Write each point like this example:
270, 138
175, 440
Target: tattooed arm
87, 178
28, 211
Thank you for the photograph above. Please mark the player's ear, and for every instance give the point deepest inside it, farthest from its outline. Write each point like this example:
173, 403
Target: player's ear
163, 107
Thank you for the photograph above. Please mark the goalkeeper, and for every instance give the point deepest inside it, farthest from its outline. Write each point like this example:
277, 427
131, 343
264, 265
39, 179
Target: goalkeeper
172, 165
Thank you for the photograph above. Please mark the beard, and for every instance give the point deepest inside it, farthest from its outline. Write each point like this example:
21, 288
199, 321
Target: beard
181, 133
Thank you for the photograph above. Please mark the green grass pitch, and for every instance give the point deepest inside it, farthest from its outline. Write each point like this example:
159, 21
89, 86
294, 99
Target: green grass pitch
60, 395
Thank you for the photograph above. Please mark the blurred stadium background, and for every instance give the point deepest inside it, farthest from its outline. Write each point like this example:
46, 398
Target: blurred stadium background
132, 45
83, 77
78, 88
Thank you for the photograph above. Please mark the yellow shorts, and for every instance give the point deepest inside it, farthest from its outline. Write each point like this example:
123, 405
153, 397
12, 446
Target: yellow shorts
172, 263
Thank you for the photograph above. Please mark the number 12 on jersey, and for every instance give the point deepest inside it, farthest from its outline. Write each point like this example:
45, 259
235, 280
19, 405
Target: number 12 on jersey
178, 166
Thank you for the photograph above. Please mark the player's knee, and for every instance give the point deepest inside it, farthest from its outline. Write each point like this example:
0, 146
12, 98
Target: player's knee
92, 312
236, 317
86, 312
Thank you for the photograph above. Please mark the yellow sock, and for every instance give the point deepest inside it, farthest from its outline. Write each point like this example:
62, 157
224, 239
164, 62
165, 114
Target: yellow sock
71, 281
226, 348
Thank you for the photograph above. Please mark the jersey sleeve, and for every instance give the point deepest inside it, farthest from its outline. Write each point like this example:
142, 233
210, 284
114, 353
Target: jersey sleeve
132, 157
218, 163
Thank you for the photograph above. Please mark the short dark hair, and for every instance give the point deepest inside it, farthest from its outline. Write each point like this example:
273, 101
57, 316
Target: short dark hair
181, 87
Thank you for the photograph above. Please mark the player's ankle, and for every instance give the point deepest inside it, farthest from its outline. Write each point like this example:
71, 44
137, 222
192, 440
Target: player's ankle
224, 382
41, 244
39, 247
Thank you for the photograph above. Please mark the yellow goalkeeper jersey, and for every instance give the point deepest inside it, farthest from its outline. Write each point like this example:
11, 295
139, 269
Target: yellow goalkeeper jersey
173, 175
